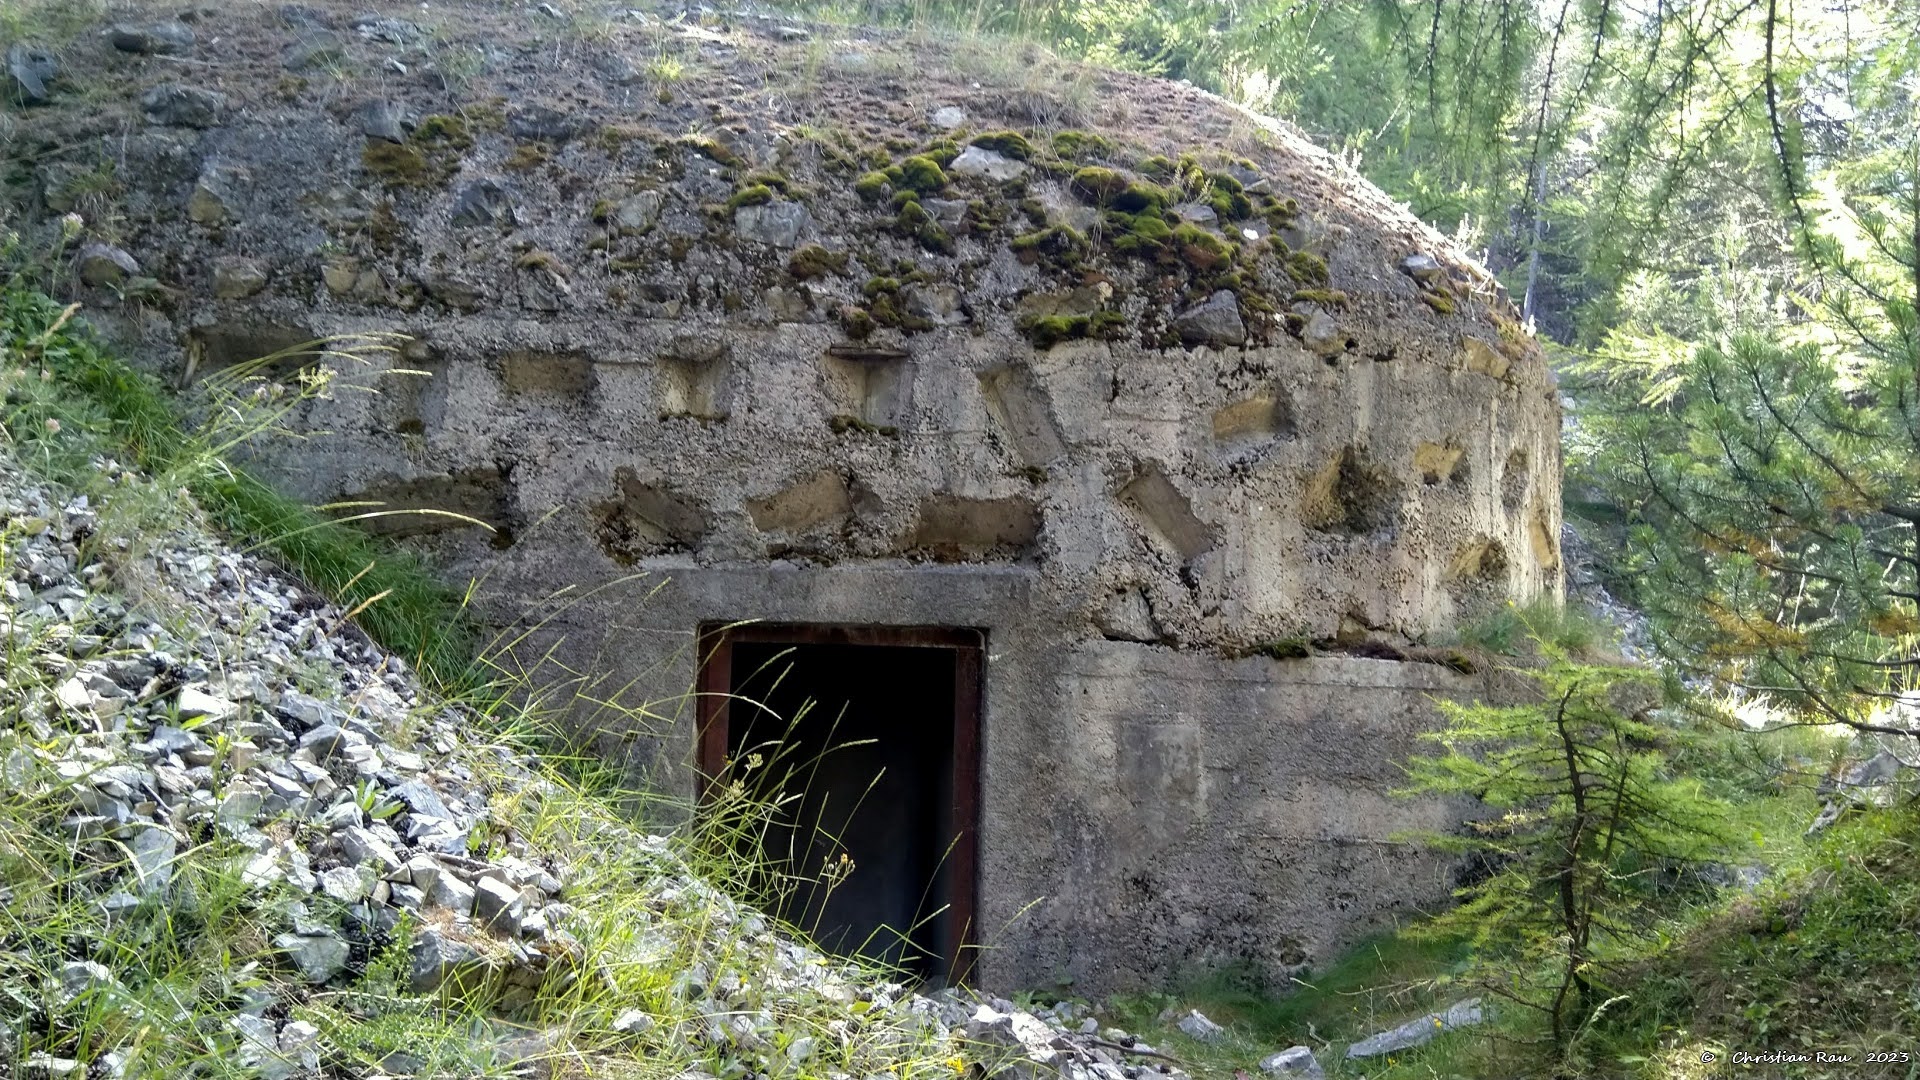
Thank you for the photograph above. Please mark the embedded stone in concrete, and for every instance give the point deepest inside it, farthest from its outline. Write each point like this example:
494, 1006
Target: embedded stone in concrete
816, 500
1020, 407
1436, 462
693, 378
1483, 558
1483, 359
1351, 495
1541, 542
875, 387
1514, 480
1265, 415
777, 223
1166, 513
528, 371
1215, 321
645, 519
950, 528
236, 277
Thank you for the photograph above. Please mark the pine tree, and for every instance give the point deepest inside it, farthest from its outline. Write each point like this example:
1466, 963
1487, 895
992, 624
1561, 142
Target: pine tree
1584, 824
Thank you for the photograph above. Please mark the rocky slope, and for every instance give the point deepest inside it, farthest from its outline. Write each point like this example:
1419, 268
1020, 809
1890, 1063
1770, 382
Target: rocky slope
240, 838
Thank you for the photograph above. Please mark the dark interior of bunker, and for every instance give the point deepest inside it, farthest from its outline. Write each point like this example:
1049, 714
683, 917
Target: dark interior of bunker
862, 739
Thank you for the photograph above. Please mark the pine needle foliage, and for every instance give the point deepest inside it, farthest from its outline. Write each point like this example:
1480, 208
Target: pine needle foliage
1584, 827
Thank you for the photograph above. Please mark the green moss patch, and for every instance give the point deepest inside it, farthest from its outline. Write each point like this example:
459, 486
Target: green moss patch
1324, 297
1098, 184
814, 261
398, 164
1046, 331
920, 174
1061, 245
855, 321
714, 149
914, 221
1307, 268
451, 131
1073, 145
942, 152
1200, 249
751, 195
529, 156
1005, 143
873, 187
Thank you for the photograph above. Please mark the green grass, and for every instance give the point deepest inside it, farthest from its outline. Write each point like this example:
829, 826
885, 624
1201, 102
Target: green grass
103, 406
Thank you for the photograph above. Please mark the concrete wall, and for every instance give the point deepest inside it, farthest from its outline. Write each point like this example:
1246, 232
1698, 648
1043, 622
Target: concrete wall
1147, 812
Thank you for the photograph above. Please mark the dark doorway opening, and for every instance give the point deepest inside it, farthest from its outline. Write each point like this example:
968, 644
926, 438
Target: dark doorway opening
874, 731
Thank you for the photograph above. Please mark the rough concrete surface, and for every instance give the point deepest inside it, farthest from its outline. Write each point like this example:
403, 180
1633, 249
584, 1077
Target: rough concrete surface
992, 398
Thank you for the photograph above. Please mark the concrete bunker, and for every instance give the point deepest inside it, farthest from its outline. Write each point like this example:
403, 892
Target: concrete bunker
864, 740
1158, 459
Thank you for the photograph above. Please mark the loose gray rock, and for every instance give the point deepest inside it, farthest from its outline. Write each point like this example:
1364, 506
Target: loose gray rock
1322, 335
777, 223
1014, 1030
103, 264
1196, 1025
484, 202
344, 884
382, 119
154, 850
359, 845
498, 905
449, 892
29, 69
323, 49
541, 123
1419, 1032
1422, 268
236, 277
1216, 321
417, 797
948, 117
306, 712
633, 1022
1293, 1061
433, 958
639, 211
195, 703
169, 38
300, 1043
173, 105
318, 957
984, 164
390, 30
